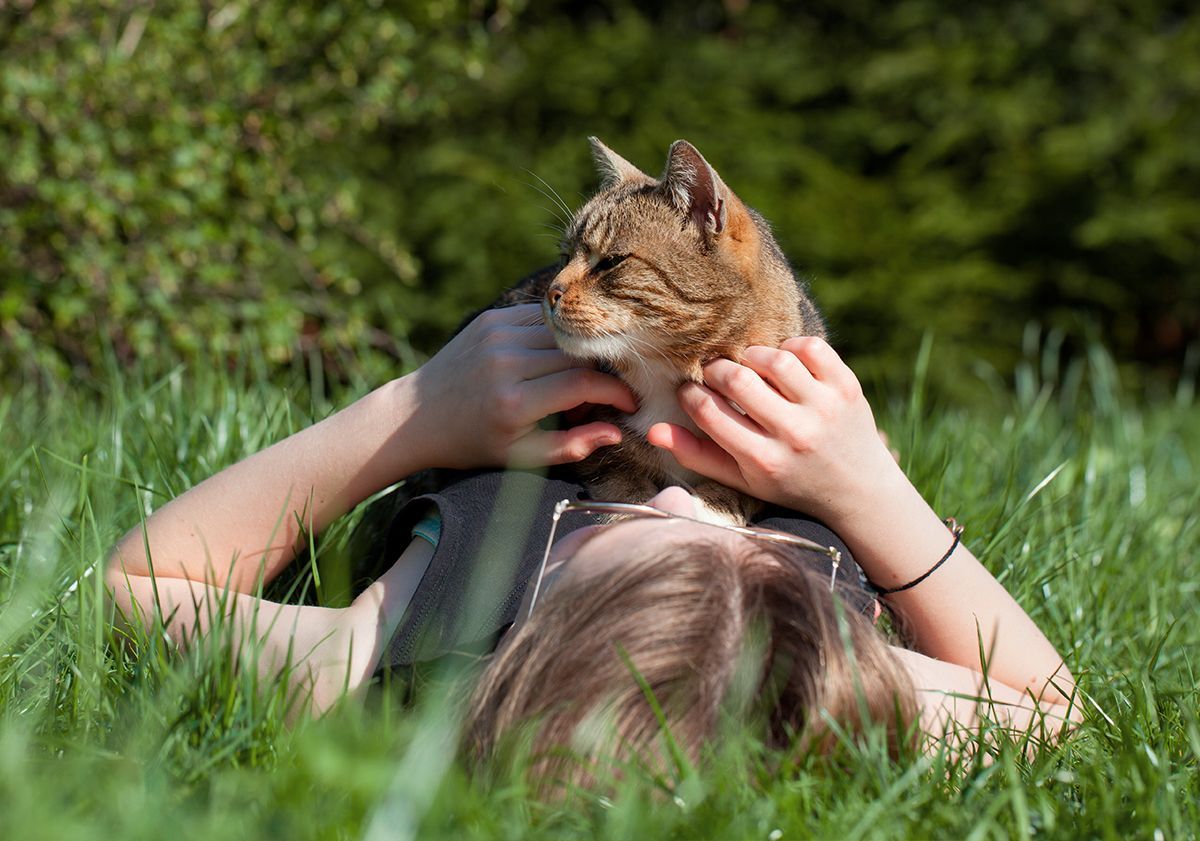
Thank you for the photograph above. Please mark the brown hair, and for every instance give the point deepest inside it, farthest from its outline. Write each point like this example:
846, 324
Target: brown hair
710, 631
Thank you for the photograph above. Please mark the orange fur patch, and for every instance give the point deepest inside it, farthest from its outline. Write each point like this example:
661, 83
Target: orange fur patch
740, 239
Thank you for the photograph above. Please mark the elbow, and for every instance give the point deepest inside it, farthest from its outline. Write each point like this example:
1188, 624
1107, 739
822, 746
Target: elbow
117, 581
1060, 719
128, 557
126, 562
1073, 713
1062, 699
115, 573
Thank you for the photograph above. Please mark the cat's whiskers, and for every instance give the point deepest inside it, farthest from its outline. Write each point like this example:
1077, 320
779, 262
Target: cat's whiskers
562, 202
561, 228
534, 320
626, 348
526, 297
563, 221
554, 196
647, 348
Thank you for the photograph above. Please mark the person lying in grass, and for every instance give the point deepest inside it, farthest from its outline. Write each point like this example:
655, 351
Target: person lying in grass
776, 623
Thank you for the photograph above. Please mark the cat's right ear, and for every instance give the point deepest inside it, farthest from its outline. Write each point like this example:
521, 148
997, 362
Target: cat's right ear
612, 167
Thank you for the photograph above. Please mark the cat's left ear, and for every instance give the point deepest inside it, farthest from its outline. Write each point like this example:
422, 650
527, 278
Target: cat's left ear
612, 167
695, 188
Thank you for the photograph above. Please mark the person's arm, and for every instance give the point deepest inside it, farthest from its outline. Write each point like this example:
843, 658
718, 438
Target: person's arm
197, 560
475, 404
954, 699
807, 440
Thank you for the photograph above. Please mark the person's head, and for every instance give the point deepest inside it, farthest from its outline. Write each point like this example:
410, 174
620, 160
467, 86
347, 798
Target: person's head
712, 623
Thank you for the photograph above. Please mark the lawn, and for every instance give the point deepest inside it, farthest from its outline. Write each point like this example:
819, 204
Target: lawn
1078, 490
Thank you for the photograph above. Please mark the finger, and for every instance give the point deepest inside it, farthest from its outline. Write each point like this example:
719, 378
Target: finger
533, 363
536, 336
523, 323
820, 359
519, 314
781, 369
567, 389
733, 432
692, 453
540, 447
746, 388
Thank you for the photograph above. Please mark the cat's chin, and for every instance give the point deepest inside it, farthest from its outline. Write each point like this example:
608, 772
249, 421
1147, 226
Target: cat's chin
612, 347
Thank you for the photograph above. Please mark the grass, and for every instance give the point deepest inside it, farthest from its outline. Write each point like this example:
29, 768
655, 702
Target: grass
1084, 501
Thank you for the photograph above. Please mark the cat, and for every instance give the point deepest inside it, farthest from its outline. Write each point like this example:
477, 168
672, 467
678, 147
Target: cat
657, 278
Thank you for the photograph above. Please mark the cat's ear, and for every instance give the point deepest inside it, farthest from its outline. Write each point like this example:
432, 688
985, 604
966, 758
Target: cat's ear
695, 189
612, 167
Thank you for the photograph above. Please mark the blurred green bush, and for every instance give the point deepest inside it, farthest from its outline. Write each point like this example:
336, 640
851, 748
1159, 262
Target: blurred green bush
352, 179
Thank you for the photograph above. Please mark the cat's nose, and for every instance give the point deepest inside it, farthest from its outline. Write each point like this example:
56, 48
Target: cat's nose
554, 295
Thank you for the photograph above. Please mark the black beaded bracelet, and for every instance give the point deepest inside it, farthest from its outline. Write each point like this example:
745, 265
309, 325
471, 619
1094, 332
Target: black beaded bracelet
956, 530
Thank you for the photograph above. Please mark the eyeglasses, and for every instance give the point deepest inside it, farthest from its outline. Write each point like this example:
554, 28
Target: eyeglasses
632, 511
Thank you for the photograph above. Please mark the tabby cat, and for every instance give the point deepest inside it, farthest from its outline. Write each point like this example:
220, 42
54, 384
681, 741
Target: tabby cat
658, 277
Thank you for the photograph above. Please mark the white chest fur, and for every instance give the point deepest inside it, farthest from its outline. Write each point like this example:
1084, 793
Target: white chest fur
656, 387
658, 400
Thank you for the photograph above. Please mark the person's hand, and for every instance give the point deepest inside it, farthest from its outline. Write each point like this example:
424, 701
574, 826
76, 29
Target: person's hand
807, 439
482, 395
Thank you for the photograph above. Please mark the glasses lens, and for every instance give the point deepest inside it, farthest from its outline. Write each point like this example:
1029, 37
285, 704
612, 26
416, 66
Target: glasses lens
571, 519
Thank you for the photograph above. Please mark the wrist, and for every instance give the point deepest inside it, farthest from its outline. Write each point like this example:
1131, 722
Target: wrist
873, 484
892, 531
411, 446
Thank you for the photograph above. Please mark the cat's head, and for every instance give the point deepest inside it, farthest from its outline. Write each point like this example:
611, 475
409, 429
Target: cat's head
674, 270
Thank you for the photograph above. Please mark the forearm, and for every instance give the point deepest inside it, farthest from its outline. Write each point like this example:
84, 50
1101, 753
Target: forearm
791, 425
326, 652
245, 521
960, 614
476, 403
953, 700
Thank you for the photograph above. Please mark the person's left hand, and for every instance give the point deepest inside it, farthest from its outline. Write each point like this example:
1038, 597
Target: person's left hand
481, 397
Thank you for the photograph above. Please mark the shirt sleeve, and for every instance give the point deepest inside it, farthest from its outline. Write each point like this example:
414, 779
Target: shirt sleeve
851, 582
494, 527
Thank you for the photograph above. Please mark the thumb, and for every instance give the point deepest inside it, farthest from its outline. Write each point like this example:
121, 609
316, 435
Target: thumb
541, 448
701, 455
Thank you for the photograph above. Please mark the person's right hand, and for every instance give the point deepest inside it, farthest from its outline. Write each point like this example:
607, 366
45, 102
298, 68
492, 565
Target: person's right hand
481, 396
807, 439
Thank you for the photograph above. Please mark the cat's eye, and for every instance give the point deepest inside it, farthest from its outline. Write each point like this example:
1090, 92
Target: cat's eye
609, 262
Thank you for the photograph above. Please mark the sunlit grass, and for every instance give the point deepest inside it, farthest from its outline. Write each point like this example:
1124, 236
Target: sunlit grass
1083, 500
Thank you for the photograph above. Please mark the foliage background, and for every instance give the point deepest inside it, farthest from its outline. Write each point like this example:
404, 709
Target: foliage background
220, 220
351, 178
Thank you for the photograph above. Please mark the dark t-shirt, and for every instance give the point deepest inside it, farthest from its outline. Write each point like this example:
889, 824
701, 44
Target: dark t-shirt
494, 527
